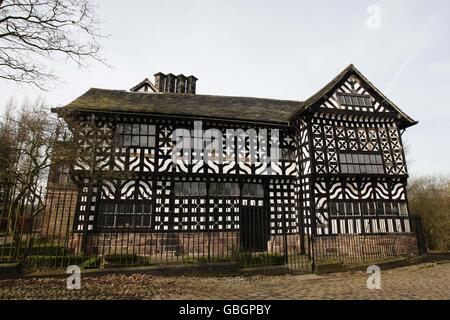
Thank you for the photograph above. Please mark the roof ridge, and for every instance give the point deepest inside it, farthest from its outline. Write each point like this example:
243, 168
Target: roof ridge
198, 95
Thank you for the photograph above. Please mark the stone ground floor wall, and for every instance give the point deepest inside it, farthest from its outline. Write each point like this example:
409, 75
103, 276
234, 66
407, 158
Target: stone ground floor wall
161, 246
225, 245
173, 246
354, 248
280, 244
59, 212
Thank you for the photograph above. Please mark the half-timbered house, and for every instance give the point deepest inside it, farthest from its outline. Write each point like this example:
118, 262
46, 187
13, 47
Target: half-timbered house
340, 168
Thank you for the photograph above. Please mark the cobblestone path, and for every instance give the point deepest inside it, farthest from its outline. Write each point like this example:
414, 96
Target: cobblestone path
423, 281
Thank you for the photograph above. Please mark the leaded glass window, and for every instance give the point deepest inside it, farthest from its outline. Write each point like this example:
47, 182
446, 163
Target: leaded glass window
135, 135
358, 163
355, 100
368, 208
124, 215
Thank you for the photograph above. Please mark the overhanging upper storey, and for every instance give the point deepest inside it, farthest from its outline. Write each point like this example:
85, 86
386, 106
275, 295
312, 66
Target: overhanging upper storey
352, 94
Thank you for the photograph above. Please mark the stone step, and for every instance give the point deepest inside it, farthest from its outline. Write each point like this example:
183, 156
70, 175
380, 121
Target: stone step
10, 270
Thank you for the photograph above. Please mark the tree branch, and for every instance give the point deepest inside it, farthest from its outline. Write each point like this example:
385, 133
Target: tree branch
35, 31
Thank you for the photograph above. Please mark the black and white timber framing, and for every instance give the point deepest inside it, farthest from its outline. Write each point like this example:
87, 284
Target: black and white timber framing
342, 168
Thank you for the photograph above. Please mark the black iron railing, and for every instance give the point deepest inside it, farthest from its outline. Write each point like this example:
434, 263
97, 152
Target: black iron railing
40, 232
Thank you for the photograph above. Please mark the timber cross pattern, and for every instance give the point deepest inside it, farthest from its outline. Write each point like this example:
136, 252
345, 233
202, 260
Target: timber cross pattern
337, 191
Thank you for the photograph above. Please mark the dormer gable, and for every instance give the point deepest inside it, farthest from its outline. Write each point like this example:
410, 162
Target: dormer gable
351, 93
144, 86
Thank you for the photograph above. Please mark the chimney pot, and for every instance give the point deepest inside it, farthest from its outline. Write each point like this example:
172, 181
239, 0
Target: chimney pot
170, 84
181, 84
160, 81
191, 84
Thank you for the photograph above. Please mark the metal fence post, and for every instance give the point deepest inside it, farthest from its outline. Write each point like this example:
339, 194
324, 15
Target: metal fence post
313, 254
418, 230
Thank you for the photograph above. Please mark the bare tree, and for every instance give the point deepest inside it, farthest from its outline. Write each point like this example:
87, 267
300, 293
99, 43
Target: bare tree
34, 32
429, 198
30, 134
7, 152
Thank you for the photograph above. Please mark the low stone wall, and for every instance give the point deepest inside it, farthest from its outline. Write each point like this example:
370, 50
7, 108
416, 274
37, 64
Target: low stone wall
221, 246
161, 246
173, 246
353, 248
277, 244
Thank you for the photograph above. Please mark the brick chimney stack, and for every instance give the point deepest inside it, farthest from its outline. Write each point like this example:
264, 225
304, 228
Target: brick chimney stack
170, 84
160, 81
191, 84
175, 84
181, 83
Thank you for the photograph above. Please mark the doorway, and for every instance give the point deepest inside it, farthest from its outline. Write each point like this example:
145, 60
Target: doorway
254, 229
254, 219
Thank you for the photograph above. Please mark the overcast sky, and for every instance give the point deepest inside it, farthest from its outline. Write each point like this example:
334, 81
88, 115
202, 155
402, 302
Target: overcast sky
280, 49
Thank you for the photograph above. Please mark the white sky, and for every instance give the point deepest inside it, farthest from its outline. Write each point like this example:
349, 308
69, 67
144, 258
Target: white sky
279, 49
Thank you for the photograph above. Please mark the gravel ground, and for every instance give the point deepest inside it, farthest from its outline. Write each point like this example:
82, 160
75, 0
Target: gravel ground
423, 281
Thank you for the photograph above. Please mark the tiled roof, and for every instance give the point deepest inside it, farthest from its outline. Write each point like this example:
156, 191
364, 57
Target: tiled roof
195, 105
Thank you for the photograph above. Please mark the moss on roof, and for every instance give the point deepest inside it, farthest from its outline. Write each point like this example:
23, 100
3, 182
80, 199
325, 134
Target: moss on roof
208, 106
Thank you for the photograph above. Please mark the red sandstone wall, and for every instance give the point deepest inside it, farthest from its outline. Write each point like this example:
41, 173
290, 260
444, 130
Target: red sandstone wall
276, 244
173, 247
161, 246
351, 248
59, 213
